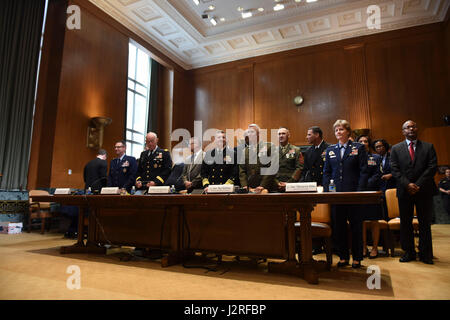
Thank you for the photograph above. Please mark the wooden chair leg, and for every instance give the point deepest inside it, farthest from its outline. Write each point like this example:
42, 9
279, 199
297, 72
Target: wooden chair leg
43, 225
386, 244
392, 242
328, 250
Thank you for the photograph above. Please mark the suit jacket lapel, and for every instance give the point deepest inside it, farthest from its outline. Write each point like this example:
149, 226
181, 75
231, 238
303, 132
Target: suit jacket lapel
338, 152
417, 152
286, 150
347, 150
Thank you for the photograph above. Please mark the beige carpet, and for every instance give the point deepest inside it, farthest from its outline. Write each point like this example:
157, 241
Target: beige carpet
32, 268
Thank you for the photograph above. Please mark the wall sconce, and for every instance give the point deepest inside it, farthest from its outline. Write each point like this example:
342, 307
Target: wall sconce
361, 132
95, 131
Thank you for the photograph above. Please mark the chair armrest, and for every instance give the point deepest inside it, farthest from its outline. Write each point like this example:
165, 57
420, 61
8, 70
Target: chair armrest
34, 205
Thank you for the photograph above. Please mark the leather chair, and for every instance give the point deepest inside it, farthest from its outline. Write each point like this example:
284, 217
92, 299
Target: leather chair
38, 210
394, 217
320, 228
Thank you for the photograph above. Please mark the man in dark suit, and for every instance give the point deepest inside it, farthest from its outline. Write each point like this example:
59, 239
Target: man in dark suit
314, 157
413, 165
96, 171
122, 170
154, 164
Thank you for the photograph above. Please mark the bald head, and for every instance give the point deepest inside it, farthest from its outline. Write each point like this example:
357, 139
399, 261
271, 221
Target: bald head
409, 130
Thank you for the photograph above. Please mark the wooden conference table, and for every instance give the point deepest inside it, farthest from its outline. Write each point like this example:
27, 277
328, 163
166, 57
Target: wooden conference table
253, 225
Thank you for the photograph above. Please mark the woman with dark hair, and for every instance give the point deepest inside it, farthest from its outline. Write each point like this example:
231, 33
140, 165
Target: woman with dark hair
346, 165
372, 213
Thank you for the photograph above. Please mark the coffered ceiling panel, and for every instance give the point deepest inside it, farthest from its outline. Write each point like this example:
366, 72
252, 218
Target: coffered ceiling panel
205, 32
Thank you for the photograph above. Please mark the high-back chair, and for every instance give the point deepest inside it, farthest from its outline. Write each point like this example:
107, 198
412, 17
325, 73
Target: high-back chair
320, 228
394, 216
38, 210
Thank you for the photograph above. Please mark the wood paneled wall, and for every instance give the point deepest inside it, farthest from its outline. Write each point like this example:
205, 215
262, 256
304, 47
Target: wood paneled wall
84, 75
375, 82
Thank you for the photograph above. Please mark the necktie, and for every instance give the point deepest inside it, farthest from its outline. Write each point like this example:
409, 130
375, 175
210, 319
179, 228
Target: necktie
411, 150
342, 150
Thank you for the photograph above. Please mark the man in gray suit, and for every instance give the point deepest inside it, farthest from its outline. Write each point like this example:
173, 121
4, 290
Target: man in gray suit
413, 165
193, 165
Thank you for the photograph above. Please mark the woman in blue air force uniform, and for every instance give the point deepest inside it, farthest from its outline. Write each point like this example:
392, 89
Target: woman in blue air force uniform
346, 164
372, 212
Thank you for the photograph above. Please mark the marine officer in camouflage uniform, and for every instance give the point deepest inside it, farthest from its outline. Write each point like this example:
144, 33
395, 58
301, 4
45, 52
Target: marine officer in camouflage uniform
290, 166
219, 164
258, 155
154, 164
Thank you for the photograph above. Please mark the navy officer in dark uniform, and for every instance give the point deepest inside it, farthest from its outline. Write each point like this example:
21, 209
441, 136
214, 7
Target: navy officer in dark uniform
314, 157
122, 170
219, 164
154, 164
346, 164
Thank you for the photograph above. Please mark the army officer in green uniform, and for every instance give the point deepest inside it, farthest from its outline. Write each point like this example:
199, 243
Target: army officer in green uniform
255, 172
154, 164
290, 166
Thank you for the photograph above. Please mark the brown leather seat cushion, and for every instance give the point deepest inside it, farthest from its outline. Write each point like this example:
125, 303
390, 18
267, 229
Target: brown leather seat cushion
394, 224
318, 229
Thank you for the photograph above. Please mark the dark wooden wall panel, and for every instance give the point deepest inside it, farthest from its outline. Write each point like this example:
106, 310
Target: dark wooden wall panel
318, 77
375, 82
93, 83
406, 81
83, 75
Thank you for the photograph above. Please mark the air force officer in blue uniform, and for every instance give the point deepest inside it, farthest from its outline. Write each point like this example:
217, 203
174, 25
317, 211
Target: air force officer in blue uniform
122, 170
346, 164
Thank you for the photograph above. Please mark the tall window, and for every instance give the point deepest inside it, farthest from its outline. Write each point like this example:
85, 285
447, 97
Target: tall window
138, 99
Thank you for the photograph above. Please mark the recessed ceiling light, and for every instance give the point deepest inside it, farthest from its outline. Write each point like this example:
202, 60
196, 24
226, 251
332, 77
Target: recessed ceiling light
213, 21
211, 7
298, 0
260, 9
247, 14
278, 7
222, 19
311, 0
240, 9
196, 2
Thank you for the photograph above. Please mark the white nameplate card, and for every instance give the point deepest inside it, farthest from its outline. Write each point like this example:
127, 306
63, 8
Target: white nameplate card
62, 191
158, 189
221, 188
110, 190
301, 187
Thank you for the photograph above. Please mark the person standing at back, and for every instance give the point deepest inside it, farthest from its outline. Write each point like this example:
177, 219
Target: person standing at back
413, 165
346, 164
314, 157
95, 172
122, 170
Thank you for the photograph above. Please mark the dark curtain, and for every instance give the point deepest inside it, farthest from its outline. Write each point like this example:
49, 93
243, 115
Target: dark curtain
21, 28
152, 124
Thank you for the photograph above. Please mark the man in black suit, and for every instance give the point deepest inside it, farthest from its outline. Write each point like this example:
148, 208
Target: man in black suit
314, 157
95, 172
413, 165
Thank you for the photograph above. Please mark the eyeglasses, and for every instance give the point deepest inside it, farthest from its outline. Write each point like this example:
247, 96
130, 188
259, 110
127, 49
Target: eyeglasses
118, 147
